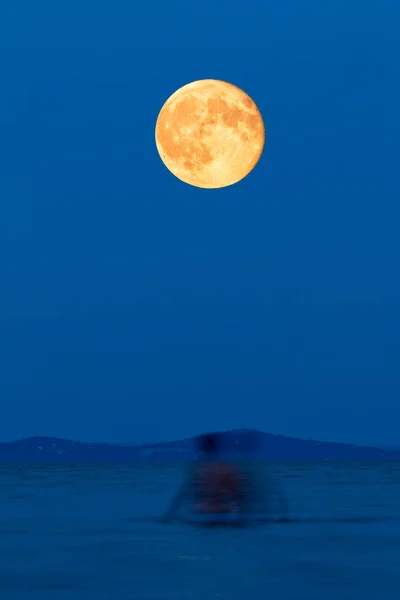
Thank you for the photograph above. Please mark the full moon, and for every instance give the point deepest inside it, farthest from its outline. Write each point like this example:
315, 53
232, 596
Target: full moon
210, 134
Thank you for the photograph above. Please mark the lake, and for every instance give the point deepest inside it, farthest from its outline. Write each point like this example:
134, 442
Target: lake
90, 532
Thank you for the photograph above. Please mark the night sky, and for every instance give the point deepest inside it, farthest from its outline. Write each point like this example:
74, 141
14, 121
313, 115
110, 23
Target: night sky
134, 307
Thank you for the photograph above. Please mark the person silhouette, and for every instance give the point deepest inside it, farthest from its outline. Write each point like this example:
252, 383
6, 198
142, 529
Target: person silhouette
212, 487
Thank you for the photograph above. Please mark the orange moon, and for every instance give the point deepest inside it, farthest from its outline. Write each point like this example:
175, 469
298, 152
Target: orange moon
210, 134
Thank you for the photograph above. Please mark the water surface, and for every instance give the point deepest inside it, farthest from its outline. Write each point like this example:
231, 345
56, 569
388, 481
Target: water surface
89, 532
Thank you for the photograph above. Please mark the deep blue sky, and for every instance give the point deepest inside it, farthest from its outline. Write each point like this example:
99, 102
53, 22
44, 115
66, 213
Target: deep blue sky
134, 307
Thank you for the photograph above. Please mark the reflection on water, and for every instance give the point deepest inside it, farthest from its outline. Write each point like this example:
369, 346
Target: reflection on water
91, 532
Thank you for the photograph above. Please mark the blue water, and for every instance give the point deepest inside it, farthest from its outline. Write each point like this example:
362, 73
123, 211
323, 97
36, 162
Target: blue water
90, 532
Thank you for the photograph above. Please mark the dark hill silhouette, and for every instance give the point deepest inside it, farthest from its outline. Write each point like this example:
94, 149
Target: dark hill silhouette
56, 450
270, 447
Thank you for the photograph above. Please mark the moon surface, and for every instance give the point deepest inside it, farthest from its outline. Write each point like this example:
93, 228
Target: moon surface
210, 134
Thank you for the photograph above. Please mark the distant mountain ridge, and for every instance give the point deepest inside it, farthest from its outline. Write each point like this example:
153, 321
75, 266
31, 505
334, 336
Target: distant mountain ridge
42, 449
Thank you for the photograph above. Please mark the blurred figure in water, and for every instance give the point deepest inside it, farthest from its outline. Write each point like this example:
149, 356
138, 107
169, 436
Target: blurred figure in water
263, 497
212, 489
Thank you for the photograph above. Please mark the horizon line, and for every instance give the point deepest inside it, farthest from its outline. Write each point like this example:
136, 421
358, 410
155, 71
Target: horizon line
393, 447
